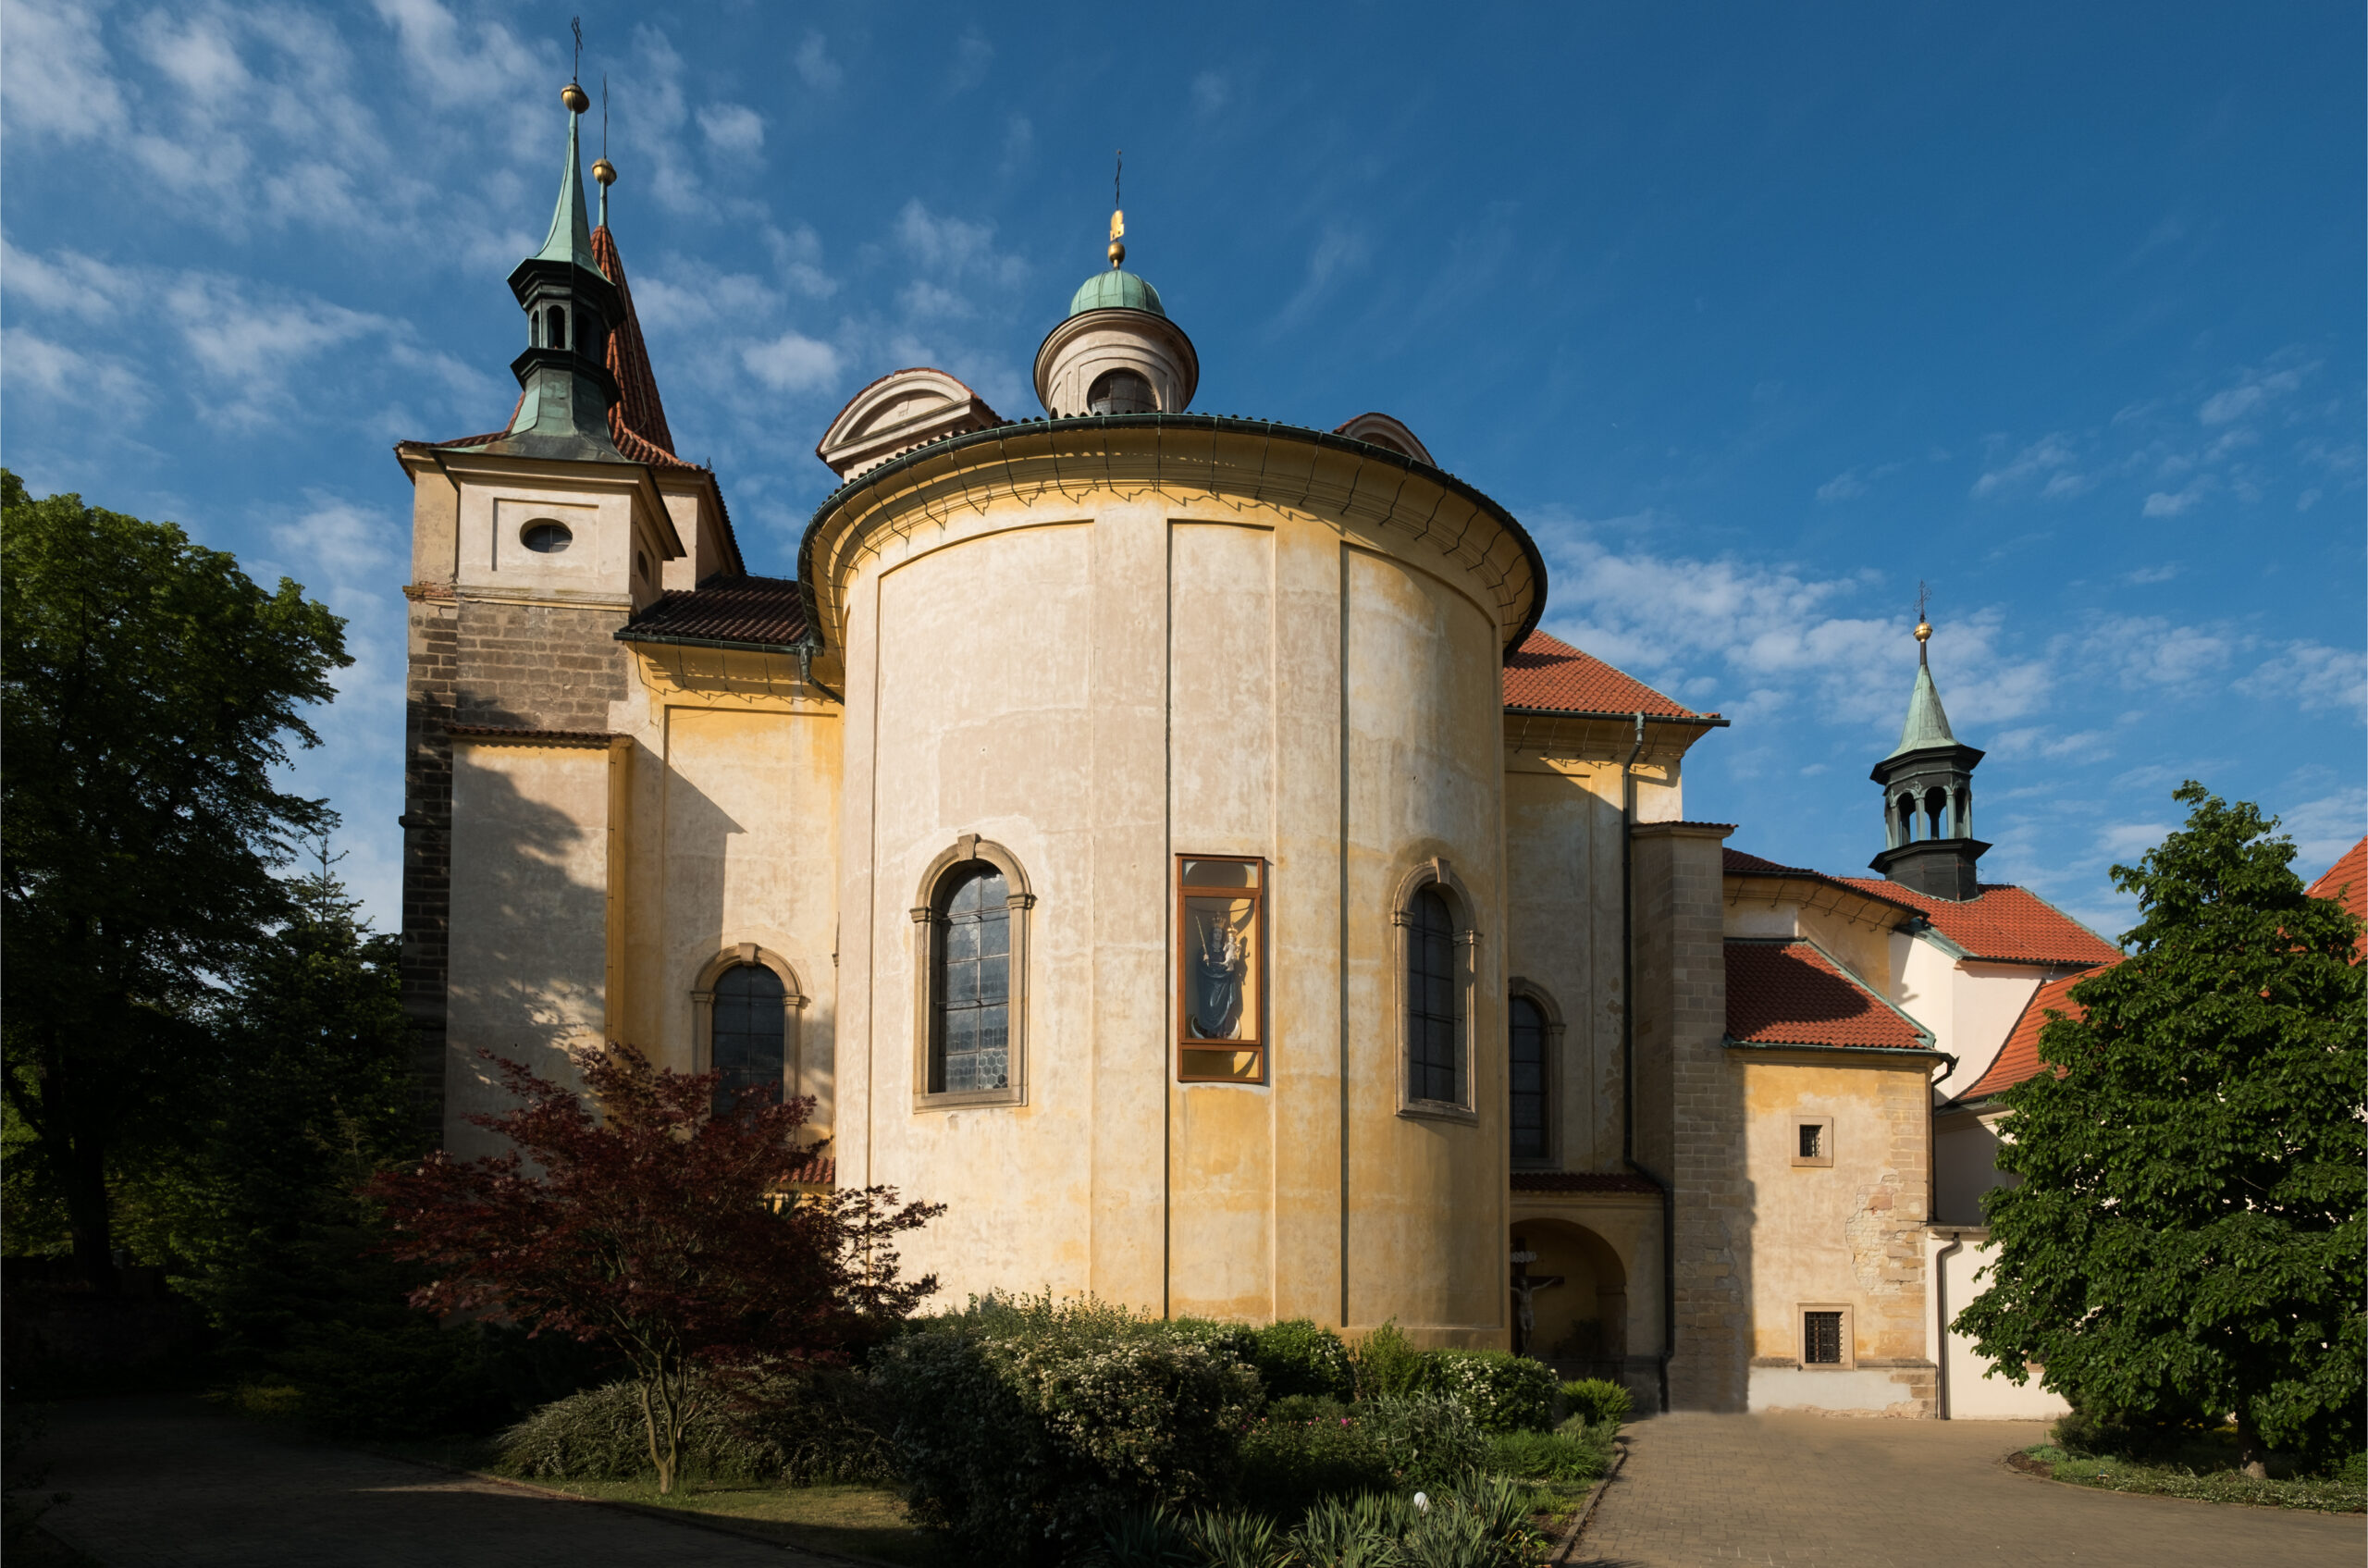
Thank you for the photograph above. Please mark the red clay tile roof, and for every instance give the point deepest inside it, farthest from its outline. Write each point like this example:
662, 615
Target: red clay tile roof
2009, 923
2347, 879
1548, 674
1580, 1181
813, 1170
762, 611
1741, 863
2018, 1058
637, 420
1791, 994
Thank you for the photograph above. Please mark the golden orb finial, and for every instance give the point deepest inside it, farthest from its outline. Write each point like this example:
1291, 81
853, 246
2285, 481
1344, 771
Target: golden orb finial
573, 97
604, 171
1923, 631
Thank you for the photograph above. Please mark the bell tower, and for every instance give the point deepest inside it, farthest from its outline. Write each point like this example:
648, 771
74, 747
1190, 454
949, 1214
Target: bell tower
571, 308
1928, 795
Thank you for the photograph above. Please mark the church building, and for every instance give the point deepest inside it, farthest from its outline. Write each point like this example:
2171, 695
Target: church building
1166, 839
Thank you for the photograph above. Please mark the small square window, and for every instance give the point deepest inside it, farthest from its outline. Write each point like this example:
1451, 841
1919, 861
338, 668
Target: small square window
1812, 1140
1827, 1337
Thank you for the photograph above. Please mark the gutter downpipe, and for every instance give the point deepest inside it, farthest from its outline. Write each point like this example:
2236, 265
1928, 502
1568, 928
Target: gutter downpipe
1941, 1317
806, 674
1628, 1054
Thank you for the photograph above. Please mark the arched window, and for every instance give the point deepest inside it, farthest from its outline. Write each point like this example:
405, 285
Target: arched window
1435, 1008
749, 1035
1438, 992
970, 979
1120, 391
556, 329
1525, 1026
970, 1048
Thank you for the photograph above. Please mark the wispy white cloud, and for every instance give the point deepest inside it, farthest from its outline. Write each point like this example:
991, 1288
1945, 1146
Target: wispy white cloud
2314, 677
972, 57
815, 66
734, 130
1210, 92
793, 362
2050, 456
2249, 392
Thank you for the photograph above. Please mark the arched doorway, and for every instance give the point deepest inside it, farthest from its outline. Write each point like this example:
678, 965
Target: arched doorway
1581, 1323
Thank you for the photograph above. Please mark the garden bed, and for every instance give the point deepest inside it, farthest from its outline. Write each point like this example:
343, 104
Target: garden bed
2321, 1495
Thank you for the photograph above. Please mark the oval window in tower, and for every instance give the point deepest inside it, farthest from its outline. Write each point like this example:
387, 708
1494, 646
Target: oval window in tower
545, 537
1120, 391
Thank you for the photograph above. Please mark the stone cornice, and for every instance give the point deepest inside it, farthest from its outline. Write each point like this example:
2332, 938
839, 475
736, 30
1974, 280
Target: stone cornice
1237, 462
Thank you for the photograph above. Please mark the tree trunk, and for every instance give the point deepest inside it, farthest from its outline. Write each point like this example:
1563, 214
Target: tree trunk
2249, 1447
81, 1174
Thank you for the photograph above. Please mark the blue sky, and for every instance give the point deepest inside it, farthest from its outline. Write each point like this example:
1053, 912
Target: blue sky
1756, 315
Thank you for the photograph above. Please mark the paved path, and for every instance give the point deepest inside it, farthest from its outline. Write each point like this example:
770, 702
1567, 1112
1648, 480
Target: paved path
1840, 1493
171, 1484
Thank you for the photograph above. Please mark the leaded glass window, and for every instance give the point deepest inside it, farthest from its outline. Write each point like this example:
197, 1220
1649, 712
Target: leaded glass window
970, 1047
749, 1033
1527, 1076
1433, 1002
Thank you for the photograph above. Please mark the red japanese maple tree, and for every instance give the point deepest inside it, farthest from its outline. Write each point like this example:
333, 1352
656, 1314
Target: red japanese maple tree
639, 1216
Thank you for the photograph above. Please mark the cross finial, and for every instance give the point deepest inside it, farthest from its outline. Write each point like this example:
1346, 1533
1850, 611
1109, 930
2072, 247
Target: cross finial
1923, 625
1118, 212
575, 25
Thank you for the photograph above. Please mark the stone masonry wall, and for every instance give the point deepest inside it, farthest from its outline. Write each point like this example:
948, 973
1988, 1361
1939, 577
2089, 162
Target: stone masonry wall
521, 666
1690, 1109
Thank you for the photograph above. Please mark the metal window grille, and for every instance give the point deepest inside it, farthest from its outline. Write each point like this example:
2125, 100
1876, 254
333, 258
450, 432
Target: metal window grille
1812, 1140
748, 1032
971, 1043
1433, 1007
1821, 1339
1527, 1076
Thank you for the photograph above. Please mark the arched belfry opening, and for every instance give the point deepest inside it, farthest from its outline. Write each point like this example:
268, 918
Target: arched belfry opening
1927, 796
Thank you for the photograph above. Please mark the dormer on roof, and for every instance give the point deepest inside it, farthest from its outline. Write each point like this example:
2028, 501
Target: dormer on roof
1391, 435
901, 411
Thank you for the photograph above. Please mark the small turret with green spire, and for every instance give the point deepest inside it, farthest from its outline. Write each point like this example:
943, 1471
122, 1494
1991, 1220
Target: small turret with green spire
1927, 795
571, 309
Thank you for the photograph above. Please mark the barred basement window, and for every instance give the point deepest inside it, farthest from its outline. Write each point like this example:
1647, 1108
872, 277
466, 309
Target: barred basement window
1821, 1339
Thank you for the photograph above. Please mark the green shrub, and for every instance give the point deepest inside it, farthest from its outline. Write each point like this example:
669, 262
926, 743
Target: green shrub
2353, 1473
1597, 1402
1307, 1407
1576, 1453
1021, 1427
1505, 1392
600, 1434
1227, 1540
2127, 1433
1427, 1439
1386, 1362
1298, 1356
1287, 1466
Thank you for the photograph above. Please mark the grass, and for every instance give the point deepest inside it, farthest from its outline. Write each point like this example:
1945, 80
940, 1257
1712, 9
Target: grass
856, 1521
2209, 1484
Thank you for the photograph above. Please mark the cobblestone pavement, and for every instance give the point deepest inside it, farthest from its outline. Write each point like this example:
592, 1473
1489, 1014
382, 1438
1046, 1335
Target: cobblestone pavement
171, 1484
1840, 1493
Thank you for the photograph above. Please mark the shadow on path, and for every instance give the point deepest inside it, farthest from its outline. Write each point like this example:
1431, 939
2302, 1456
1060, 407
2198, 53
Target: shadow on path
171, 1482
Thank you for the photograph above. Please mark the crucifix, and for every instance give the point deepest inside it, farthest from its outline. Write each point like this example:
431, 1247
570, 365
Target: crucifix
1526, 1287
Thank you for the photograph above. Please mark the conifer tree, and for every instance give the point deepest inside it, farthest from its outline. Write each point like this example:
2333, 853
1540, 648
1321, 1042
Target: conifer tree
2187, 1240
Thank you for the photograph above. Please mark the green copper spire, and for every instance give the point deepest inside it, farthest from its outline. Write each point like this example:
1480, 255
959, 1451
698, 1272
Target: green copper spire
1927, 724
571, 236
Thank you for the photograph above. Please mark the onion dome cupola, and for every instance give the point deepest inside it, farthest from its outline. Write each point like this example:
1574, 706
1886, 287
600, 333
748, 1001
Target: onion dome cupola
1927, 796
571, 308
1116, 351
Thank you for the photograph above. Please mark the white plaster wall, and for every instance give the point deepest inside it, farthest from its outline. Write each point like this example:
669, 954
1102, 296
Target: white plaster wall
1988, 998
1964, 1165
979, 707
1859, 1391
598, 563
1972, 1387
529, 936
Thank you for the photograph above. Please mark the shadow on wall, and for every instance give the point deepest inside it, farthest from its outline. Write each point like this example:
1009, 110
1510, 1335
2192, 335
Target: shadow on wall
529, 921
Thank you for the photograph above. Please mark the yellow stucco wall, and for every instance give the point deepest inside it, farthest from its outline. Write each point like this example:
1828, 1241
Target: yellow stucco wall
529, 928
1847, 1234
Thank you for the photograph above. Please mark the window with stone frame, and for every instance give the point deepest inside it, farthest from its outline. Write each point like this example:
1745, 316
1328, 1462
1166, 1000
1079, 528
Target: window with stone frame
748, 1034
1220, 970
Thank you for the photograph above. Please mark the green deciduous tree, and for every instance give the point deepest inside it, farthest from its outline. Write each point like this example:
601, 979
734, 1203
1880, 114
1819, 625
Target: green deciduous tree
2187, 1236
148, 691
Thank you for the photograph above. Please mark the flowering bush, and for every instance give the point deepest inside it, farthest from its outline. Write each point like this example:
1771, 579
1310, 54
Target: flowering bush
1020, 1426
1299, 1356
1429, 1439
1505, 1392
